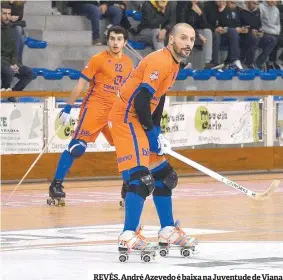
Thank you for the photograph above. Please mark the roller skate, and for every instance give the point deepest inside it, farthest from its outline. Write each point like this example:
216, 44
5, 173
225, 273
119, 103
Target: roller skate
123, 194
131, 242
175, 237
56, 194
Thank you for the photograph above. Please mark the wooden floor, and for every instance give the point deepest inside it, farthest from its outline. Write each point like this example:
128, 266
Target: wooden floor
199, 202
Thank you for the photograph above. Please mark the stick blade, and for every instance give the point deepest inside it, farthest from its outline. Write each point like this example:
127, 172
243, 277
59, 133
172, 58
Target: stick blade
262, 196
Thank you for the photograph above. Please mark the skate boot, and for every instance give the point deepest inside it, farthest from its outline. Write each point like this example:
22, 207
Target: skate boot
175, 237
131, 242
56, 193
123, 194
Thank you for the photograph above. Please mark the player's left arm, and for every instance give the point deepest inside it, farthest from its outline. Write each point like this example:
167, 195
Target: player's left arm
157, 114
77, 90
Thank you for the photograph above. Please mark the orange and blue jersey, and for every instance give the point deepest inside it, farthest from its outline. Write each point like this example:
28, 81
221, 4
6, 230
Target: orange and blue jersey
156, 72
105, 75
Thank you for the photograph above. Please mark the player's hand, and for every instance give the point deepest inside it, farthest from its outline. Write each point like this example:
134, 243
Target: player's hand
64, 115
164, 145
152, 136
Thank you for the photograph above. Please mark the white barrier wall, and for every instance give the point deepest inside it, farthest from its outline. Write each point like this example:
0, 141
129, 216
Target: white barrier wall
21, 128
25, 127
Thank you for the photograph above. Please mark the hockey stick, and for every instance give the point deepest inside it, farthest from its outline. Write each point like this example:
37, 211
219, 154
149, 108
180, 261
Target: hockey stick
218, 177
33, 164
133, 51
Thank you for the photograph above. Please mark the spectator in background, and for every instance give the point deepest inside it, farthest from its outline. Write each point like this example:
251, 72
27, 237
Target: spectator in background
93, 10
158, 17
270, 21
272, 63
230, 28
190, 12
55, 10
250, 17
211, 11
17, 8
10, 66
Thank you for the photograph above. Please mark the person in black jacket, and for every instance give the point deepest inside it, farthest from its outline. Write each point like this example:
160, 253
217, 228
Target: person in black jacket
224, 20
190, 12
251, 18
157, 19
17, 8
10, 66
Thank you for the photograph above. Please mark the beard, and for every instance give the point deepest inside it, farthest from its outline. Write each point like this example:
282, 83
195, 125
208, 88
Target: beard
179, 52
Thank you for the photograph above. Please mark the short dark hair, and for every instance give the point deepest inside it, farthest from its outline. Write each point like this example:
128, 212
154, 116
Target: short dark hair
117, 30
5, 6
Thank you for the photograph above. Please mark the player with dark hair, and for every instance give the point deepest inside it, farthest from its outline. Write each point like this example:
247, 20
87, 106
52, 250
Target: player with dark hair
105, 73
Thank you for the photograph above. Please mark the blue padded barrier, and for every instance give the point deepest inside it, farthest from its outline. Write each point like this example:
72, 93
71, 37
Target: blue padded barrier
246, 76
206, 99
201, 75
137, 45
35, 44
73, 74
229, 99
29, 99
225, 75
252, 99
53, 75
40, 71
266, 76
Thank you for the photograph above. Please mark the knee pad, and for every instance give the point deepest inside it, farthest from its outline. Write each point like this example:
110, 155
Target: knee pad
77, 147
166, 179
141, 182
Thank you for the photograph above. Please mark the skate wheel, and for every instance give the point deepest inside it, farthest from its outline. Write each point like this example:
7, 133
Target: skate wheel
123, 258
62, 202
163, 252
185, 253
146, 258
49, 201
195, 251
121, 203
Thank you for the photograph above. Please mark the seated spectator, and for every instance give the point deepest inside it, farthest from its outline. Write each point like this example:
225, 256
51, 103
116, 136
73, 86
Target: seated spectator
224, 20
272, 63
10, 66
17, 8
93, 10
55, 10
250, 17
190, 12
158, 18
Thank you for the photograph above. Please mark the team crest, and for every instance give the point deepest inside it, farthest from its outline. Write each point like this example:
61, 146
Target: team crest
154, 75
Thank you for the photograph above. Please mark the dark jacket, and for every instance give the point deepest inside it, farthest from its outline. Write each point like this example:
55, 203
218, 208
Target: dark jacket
184, 13
8, 45
211, 14
152, 18
17, 9
230, 18
250, 18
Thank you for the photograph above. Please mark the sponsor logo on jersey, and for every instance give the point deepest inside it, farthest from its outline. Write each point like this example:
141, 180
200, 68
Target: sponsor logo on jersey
154, 75
124, 158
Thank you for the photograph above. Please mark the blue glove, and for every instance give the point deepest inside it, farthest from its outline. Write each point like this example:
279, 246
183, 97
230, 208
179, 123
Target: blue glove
64, 115
152, 135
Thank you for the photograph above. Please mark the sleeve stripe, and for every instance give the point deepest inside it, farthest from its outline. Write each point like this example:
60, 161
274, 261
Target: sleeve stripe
85, 77
148, 87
